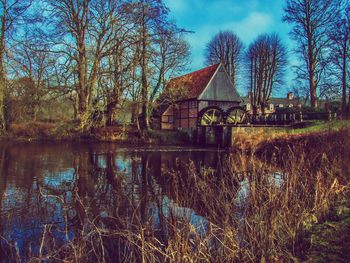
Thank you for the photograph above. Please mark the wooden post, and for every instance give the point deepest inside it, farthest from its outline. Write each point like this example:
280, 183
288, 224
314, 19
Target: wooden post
201, 135
225, 136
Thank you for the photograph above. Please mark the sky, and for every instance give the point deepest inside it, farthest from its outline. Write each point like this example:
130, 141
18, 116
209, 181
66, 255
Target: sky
247, 18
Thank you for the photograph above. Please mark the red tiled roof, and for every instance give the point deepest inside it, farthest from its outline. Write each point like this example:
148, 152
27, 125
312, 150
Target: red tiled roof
195, 82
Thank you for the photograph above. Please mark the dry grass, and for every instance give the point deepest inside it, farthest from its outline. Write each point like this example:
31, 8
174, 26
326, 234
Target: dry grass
275, 215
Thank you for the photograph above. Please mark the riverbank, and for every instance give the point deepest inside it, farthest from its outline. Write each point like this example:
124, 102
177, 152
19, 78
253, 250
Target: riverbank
128, 135
250, 141
69, 131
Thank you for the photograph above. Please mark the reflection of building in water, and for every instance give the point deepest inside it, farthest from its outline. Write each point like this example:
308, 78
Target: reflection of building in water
174, 160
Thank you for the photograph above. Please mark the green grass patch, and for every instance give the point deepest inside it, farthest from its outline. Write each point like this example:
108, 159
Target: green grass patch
321, 126
330, 241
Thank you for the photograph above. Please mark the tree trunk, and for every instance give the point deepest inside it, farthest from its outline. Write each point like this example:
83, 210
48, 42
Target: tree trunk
313, 95
344, 83
312, 59
312, 84
83, 91
2, 98
144, 82
110, 113
2, 77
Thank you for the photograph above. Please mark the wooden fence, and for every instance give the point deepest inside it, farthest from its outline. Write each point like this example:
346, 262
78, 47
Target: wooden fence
291, 117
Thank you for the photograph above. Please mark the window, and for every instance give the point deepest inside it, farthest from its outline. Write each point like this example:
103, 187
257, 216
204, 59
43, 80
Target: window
168, 119
271, 107
192, 104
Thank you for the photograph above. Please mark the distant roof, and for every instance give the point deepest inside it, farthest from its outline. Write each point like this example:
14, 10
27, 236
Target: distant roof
284, 101
276, 101
194, 82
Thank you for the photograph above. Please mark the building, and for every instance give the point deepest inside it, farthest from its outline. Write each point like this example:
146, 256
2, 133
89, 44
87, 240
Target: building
207, 89
274, 103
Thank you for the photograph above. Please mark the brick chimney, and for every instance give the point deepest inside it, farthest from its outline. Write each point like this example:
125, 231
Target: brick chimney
290, 95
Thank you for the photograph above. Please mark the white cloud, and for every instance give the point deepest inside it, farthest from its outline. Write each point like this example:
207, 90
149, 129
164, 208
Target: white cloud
177, 6
252, 26
247, 19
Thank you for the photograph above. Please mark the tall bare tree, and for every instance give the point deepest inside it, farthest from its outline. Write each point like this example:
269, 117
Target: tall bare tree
11, 13
149, 15
340, 46
267, 60
116, 75
311, 21
86, 31
226, 48
32, 69
171, 57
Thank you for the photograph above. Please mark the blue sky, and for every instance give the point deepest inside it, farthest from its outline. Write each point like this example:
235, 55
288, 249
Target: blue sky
247, 18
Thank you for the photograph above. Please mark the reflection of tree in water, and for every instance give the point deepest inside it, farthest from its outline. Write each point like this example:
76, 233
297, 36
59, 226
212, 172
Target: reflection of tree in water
68, 186
23, 209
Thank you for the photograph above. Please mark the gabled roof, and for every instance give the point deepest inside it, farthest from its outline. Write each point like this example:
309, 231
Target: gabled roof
194, 82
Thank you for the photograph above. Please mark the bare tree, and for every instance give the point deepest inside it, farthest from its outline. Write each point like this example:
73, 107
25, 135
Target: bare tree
171, 57
226, 48
86, 32
116, 75
267, 60
32, 68
340, 46
312, 20
149, 15
11, 12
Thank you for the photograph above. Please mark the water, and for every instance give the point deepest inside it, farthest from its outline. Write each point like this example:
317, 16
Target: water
54, 186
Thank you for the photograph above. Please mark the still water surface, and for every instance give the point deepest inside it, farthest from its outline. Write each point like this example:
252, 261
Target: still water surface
42, 184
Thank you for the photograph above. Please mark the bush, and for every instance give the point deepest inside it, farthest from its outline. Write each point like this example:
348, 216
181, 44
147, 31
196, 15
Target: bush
33, 129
